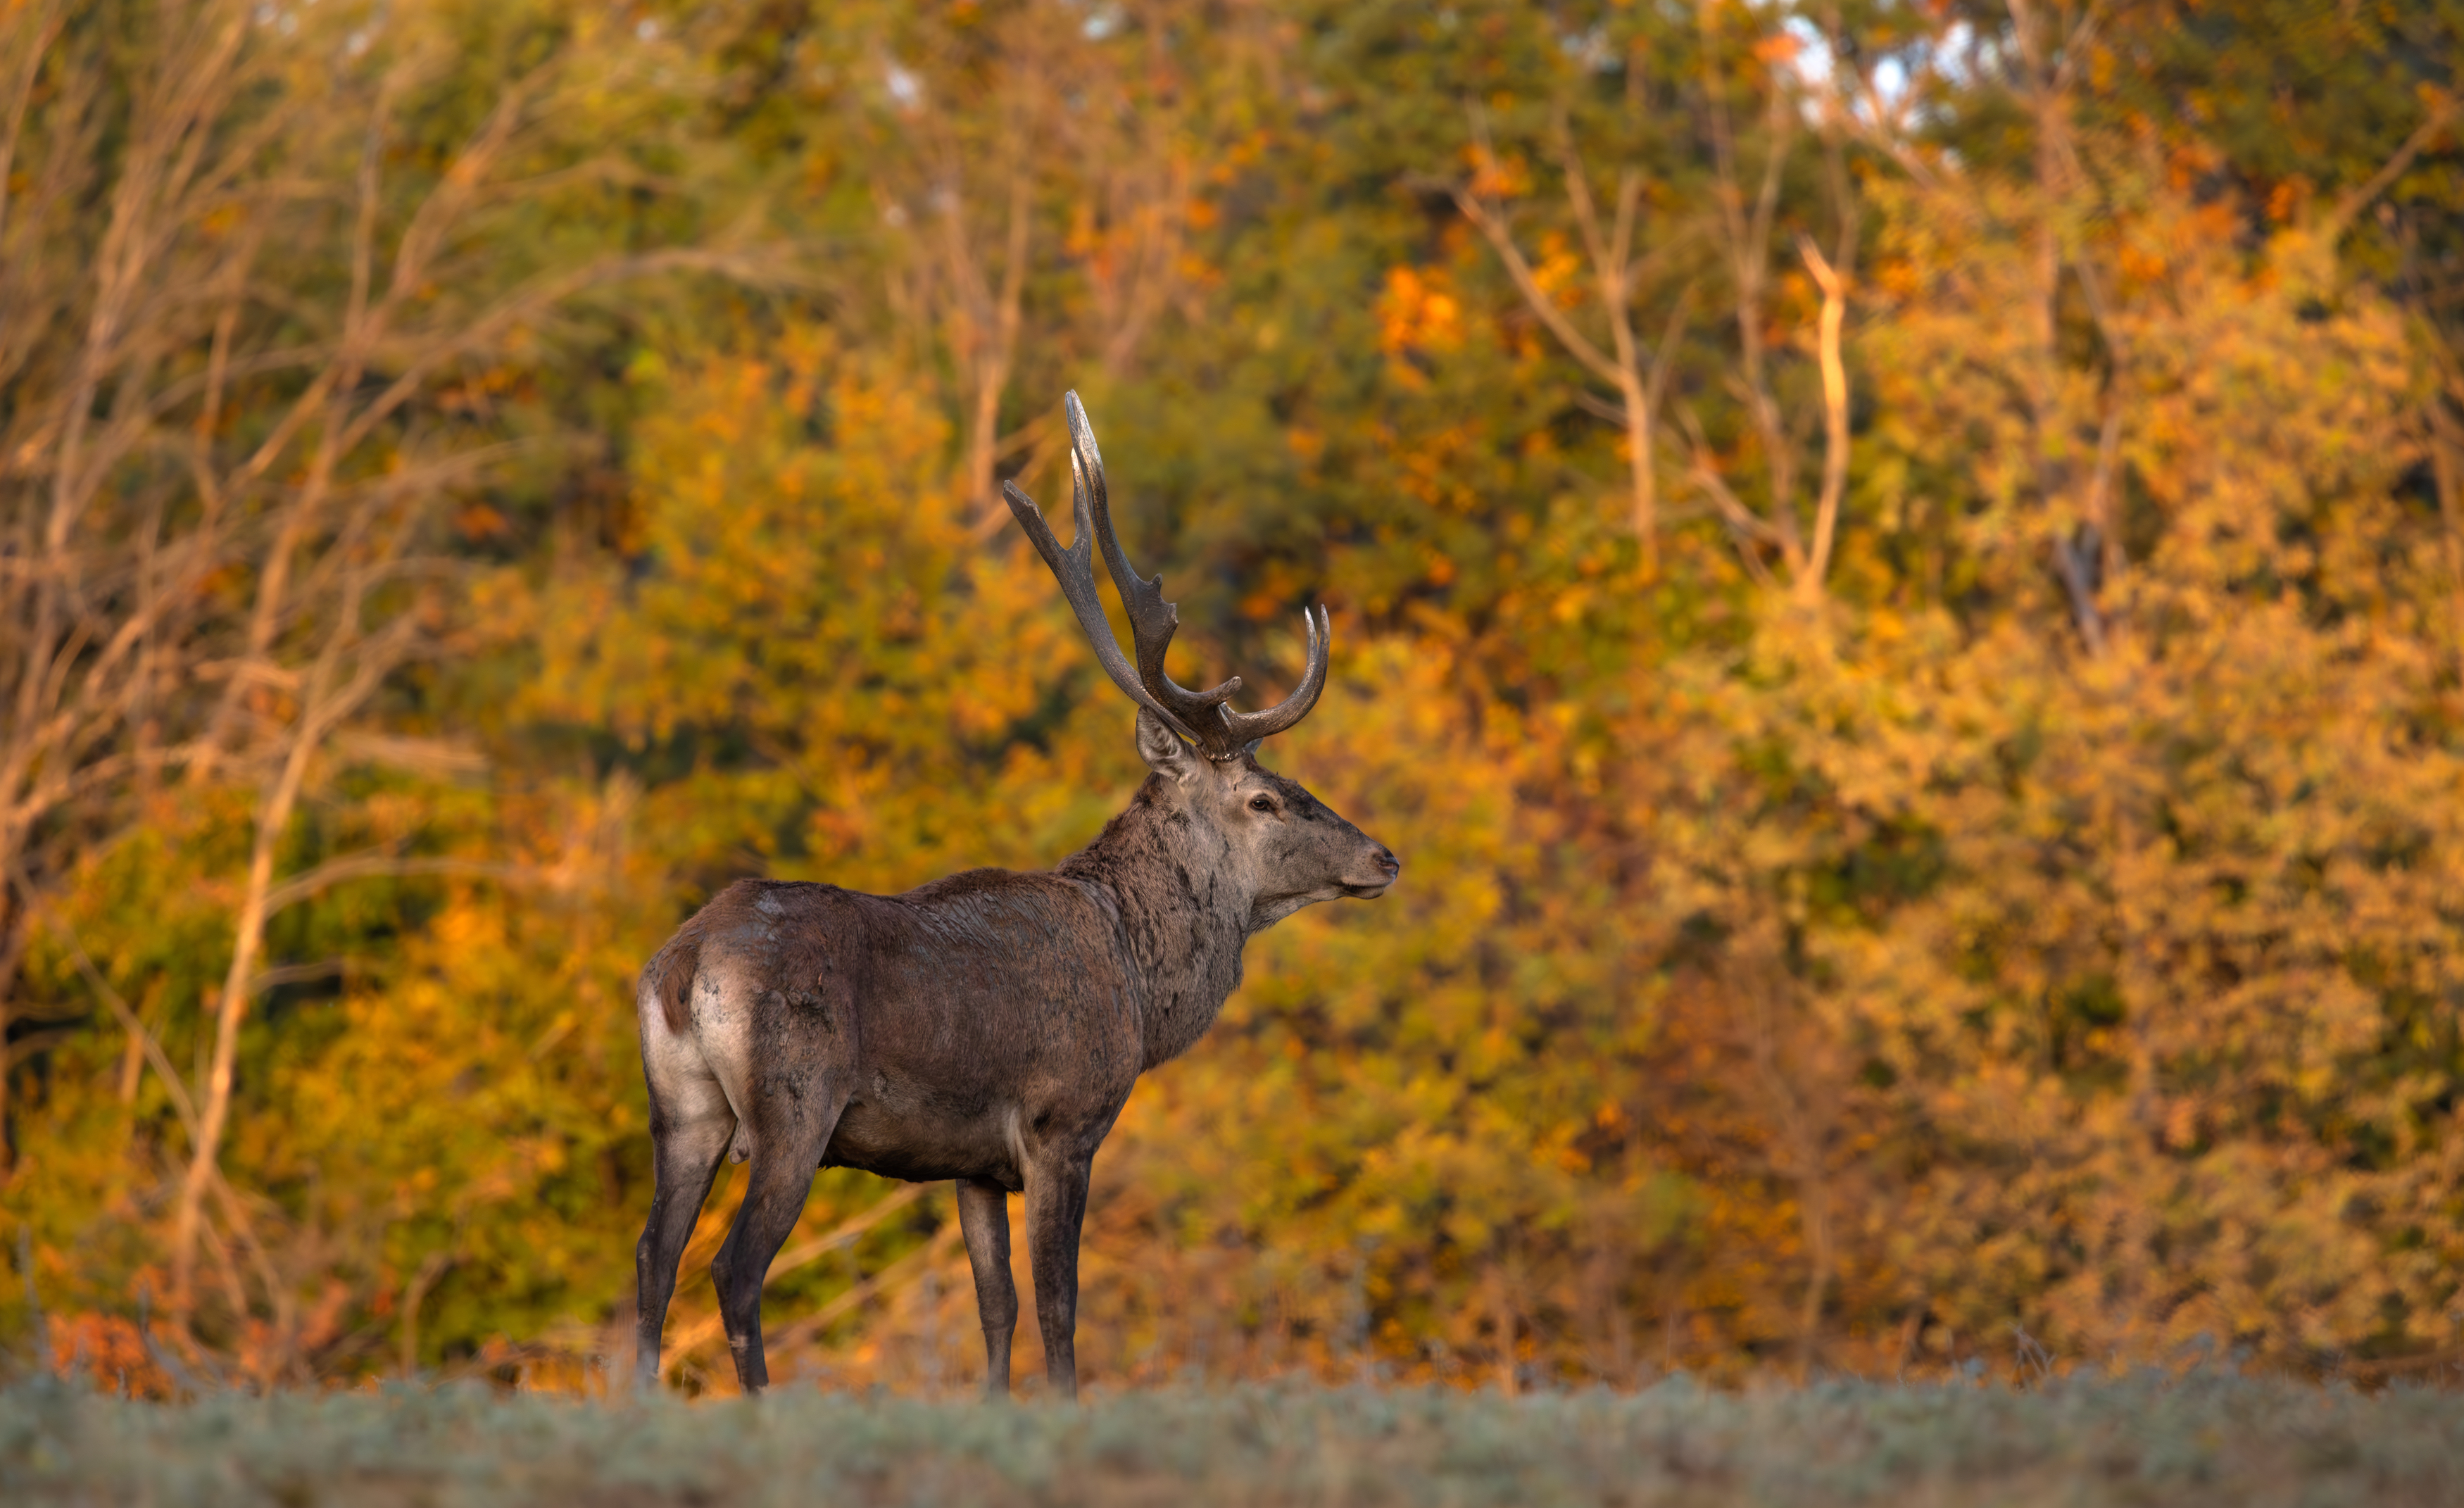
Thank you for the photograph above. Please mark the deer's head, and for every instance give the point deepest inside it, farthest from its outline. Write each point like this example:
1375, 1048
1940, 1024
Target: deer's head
1284, 847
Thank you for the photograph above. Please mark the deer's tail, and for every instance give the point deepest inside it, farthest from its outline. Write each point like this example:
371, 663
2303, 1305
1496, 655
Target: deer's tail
671, 976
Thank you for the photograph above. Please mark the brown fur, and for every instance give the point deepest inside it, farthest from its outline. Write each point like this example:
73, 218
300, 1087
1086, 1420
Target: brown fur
987, 1028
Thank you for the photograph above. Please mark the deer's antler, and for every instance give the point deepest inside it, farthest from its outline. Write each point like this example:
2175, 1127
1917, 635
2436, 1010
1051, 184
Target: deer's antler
1202, 718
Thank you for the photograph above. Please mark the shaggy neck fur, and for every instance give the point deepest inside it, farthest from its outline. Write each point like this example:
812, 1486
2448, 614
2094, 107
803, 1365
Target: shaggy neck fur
1185, 908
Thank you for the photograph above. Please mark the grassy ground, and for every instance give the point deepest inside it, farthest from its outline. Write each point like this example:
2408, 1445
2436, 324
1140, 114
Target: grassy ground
2206, 1440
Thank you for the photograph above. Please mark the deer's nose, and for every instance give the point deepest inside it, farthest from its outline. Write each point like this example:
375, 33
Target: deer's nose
1387, 862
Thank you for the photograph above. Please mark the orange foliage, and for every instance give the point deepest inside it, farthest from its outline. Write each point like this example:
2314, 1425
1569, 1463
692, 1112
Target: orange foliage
2043, 916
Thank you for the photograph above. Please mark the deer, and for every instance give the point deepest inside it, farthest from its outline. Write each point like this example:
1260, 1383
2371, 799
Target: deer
987, 1028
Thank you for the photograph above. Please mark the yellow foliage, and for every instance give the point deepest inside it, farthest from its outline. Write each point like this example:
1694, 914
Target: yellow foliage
2044, 919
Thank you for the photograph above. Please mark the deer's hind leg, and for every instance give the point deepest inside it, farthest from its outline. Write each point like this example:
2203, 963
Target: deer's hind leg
791, 1127
690, 1126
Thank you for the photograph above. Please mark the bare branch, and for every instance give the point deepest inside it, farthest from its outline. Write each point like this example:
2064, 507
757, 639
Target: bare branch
2349, 208
890, 1280
378, 866
1744, 523
120, 1008
1492, 225
1835, 410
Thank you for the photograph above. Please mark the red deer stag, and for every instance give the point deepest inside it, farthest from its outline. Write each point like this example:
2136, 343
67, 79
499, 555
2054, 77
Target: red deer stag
988, 1027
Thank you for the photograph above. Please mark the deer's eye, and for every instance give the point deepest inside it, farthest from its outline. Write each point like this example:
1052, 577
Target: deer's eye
1262, 803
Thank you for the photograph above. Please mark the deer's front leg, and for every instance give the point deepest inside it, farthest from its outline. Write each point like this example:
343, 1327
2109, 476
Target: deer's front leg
1056, 1206
983, 1218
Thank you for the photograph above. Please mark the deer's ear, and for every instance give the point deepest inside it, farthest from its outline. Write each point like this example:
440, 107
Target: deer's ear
1163, 751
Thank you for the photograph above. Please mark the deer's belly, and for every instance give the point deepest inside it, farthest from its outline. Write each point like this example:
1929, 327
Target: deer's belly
927, 1143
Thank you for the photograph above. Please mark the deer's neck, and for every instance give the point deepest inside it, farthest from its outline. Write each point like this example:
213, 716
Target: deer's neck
1185, 914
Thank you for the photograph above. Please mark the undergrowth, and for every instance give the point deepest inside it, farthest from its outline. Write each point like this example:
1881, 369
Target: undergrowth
2152, 1439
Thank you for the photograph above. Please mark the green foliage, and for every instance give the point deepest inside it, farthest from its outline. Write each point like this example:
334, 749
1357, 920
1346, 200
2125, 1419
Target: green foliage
2034, 911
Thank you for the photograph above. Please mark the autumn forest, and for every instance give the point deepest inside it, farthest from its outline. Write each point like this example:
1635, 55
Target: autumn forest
1897, 571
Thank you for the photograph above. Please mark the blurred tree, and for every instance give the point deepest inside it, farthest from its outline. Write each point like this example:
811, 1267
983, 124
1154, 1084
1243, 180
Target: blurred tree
244, 397
1900, 590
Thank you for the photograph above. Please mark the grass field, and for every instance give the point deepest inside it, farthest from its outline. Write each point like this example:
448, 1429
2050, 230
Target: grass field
2203, 1440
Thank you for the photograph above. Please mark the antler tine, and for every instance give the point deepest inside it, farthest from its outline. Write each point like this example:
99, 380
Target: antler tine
1074, 568
1152, 621
1199, 716
1248, 727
